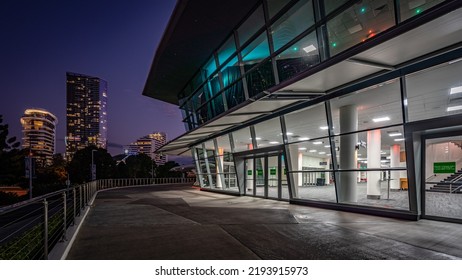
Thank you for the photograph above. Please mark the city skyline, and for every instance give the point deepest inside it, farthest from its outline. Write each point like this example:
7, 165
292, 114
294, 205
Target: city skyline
43, 42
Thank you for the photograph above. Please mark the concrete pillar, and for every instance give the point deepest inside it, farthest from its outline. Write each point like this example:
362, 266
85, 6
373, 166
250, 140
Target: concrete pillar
346, 187
296, 161
250, 170
395, 162
373, 161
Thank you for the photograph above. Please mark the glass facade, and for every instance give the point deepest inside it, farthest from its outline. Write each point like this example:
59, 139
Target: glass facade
348, 149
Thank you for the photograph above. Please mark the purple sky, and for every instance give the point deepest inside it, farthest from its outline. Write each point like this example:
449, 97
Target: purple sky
112, 40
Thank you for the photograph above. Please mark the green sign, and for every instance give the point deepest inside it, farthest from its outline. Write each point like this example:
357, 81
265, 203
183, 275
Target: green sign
285, 171
249, 172
260, 172
273, 171
444, 167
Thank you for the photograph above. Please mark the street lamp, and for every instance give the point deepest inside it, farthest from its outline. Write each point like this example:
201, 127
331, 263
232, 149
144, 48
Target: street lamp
93, 167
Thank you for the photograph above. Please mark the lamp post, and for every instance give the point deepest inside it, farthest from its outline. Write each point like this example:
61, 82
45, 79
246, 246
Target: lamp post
93, 167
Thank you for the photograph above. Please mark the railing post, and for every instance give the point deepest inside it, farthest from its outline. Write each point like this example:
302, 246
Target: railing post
45, 229
75, 204
65, 215
80, 200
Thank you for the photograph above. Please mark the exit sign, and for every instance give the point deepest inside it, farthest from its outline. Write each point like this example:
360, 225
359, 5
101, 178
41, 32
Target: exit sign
444, 167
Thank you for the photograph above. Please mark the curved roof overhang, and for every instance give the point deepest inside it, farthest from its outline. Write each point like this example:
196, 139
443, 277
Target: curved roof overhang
195, 29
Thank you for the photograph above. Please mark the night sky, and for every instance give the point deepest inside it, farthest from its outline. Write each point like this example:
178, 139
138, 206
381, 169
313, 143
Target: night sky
112, 40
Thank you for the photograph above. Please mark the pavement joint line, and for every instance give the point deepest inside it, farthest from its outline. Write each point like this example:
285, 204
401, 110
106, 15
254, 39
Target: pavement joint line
240, 242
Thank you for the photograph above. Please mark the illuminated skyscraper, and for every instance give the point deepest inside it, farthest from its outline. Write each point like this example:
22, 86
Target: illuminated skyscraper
148, 145
38, 127
86, 112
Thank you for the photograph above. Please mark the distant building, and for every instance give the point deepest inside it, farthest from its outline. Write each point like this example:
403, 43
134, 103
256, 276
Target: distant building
86, 112
148, 145
38, 128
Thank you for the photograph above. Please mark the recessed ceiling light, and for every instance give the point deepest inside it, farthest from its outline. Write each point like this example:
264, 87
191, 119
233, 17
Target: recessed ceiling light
289, 133
323, 127
381, 119
327, 146
312, 151
309, 48
304, 138
455, 90
274, 142
256, 138
359, 155
399, 139
317, 143
395, 134
454, 108
322, 153
384, 160
302, 149
383, 153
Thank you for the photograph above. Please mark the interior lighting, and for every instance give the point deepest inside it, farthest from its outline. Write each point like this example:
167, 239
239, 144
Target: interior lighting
395, 134
309, 49
418, 11
274, 142
295, 49
455, 90
363, 10
399, 139
304, 138
302, 149
322, 153
327, 146
381, 119
334, 45
323, 127
289, 133
317, 143
312, 151
454, 108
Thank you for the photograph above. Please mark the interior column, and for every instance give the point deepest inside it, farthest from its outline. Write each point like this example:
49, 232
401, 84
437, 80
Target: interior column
395, 151
346, 187
373, 161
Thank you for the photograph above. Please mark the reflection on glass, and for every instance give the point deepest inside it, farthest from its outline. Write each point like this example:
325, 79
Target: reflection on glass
251, 25
235, 94
210, 67
231, 72
273, 179
359, 23
376, 106
268, 133
249, 175
292, 23
225, 51
260, 78
260, 172
274, 6
411, 8
242, 140
330, 5
307, 123
255, 51
435, 92
284, 183
297, 58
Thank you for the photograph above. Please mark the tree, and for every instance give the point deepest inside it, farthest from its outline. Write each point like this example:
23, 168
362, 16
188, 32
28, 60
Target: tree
140, 166
80, 165
163, 171
11, 158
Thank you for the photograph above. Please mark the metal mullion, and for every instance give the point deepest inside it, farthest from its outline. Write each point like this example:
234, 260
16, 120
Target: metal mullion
254, 174
253, 136
279, 170
333, 151
270, 42
265, 177
207, 166
241, 66
219, 158
287, 157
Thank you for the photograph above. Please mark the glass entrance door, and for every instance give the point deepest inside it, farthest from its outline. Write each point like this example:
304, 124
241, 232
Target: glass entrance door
442, 191
265, 176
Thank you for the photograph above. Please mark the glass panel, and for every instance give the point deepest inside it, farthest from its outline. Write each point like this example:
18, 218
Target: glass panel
374, 149
242, 140
256, 51
435, 92
260, 78
231, 72
274, 6
235, 94
330, 5
268, 133
284, 184
307, 124
217, 106
410, 8
359, 23
210, 67
376, 106
197, 80
292, 23
213, 85
297, 58
260, 172
228, 48
249, 173
273, 173
251, 25
443, 169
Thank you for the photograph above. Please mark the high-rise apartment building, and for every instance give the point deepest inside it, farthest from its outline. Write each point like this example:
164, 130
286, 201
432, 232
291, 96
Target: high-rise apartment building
148, 145
38, 128
86, 112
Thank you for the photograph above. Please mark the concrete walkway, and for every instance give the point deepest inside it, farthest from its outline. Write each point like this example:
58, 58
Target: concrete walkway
180, 222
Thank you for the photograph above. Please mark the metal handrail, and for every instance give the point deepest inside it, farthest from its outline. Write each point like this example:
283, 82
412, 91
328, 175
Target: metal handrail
32, 228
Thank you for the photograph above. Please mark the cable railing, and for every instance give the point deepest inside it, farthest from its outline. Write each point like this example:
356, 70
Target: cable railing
31, 229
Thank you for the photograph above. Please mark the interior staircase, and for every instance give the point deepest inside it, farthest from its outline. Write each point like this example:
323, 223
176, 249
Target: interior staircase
453, 183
